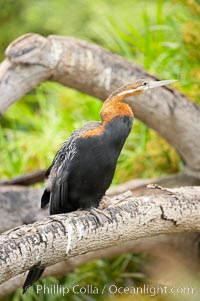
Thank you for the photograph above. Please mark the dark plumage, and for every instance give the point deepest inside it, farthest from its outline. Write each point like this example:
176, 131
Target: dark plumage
83, 168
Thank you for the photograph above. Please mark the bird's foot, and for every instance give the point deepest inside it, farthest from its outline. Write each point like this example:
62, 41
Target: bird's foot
100, 215
106, 202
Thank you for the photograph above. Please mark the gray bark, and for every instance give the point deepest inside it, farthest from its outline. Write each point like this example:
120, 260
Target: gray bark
32, 59
19, 206
60, 237
22, 205
158, 246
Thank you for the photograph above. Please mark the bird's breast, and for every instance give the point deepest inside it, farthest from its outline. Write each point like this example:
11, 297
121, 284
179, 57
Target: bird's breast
92, 168
118, 129
96, 153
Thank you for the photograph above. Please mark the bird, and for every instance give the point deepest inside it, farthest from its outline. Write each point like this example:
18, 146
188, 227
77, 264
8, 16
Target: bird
83, 168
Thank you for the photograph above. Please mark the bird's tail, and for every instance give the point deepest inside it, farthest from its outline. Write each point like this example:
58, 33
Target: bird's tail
33, 275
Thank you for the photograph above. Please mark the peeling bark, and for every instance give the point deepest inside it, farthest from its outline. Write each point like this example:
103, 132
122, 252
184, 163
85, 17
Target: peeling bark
32, 59
60, 237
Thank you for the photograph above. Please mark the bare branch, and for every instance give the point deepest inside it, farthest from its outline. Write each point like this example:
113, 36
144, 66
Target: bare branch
32, 59
19, 206
22, 205
60, 237
139, 186
26, 180
157, 246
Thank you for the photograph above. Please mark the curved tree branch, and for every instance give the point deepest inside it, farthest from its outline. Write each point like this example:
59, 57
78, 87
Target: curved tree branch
60, 237
32, 59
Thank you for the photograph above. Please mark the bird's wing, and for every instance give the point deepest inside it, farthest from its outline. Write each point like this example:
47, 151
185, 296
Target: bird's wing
57, 174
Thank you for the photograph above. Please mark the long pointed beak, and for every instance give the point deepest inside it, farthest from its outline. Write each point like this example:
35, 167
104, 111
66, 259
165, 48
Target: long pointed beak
160, 83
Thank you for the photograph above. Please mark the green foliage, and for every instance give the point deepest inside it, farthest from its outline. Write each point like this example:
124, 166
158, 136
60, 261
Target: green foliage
48, 112
93, 276
163, 36
39, 124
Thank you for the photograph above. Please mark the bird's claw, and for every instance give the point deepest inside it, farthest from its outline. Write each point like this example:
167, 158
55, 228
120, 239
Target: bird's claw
105, 202
100, 215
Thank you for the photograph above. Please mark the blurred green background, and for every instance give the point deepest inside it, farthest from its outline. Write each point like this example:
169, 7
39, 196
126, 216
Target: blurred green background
163, 36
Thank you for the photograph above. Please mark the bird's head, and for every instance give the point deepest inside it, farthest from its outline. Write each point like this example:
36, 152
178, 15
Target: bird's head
114, 104
137, 87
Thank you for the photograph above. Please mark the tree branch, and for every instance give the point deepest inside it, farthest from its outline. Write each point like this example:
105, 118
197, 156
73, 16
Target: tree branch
19, 206
32, 59
22, 205
139, 186
25, 180
156, 246
60, 237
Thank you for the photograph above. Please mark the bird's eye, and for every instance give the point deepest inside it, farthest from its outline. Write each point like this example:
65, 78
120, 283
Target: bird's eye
145, 83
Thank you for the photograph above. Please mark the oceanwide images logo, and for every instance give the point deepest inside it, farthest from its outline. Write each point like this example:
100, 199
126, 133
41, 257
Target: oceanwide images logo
112, 289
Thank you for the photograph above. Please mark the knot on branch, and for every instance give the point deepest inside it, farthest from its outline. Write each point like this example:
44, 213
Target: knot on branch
26, 49
33, 49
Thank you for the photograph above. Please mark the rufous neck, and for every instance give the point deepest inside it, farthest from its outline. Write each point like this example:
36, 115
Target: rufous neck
114, 108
